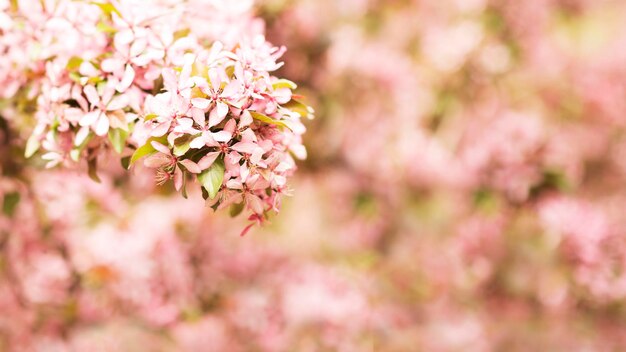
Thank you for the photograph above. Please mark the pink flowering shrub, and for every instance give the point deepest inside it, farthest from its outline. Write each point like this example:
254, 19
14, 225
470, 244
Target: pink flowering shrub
143, 83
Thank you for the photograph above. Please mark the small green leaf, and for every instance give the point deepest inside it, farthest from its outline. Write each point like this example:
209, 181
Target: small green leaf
236, 209
267, 119
101, 87
183, 189
73, 63
74, 76
300, 108
125, 162
95, 80
107, 8
157, 85
118, 137
284, 83
92, 165
230, 71
32, 145
181, 145
11, 200
181, 33
105, 28
146, 149
150, 117
212, 178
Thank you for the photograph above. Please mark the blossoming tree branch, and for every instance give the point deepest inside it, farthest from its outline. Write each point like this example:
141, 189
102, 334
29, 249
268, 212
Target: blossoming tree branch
154, 85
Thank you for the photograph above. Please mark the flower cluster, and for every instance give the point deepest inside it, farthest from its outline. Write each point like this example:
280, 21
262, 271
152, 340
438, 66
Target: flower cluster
142, 81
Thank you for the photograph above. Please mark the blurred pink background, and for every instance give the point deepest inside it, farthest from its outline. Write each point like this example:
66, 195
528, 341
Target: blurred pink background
465, 190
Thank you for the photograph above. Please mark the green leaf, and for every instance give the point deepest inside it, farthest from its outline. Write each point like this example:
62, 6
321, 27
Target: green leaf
300, 108
11, 200
74, 76
181, 145
95, 80
284, 83
101, 87
73, 63
146, 149
92, 165
107, 8
105, 28
230, 71
32, 145
212, 178
150, 117
118, 137
183, 189
125, 162
267, 119
181, 33
236, 209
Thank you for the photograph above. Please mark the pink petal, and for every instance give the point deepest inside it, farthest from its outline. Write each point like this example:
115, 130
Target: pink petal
124, 37
248, 135
191, 166
109, 91
161, 129
222, 136
216, 80
231, 89
222, 109
157, 160
215, 118
111, 64
197, 143
245, 119
260, 184
256, 156
200, 103
158, 105
282, 95
144, 59
233, 157
89, 118
178, 179
188, 62
198, 116
118, 102
127, 79
170, 82
160, 147
230, 126
138, 47
92, 94
244, 172
244, 147
81, 135
208, 160
102, 126
254, 203
185, 123
234, 184
87, 69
